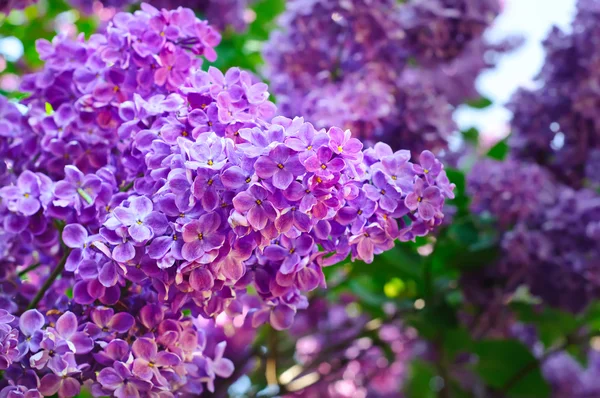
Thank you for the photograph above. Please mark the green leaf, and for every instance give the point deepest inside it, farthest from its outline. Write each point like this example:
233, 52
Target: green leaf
420, 381
471, 135
502, 361
592, 316
499, 151
461, 200
457, 341
479, 103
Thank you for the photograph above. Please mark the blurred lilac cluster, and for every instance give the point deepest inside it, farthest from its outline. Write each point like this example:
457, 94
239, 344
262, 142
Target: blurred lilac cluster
556, 124
219, 13
549, 220
136, 183
6, 6
568, 378
549, 232
352, 64
348, 354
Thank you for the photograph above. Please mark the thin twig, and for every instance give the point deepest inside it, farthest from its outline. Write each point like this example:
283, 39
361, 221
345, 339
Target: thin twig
525, 370
271, 368
28, 269
48, 283
127, 187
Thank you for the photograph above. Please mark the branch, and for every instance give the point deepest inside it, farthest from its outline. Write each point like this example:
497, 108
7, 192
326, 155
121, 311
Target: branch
525, 370
28, 269
127, 187
48, 283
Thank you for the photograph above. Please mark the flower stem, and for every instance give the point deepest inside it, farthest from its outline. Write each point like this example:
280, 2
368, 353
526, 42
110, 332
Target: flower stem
48, 283
30, 268
127, 187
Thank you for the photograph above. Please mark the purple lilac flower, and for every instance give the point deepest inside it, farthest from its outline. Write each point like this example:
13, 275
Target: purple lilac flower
557, 256
555, 124
440, 29
358, 368
9, 338
547, 233
25, 196
362, 81
509, 191
192, 194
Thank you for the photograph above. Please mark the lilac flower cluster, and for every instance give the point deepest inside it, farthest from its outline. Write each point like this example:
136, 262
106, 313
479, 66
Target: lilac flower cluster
556, 124
136, 183
509, 191
347, 355
441, 29
568, 378
361, 80
549, 232
110, 353
147, 53
558, 246
221, 14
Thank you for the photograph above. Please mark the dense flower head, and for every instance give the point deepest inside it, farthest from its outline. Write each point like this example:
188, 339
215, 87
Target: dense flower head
558, 248
509, 191
148, 53
349, 63
440, 29
155, 352
161, 209
456, 79
556, 124
548, 234
569, 378
347, 355
357, 42
221, 14
8, 340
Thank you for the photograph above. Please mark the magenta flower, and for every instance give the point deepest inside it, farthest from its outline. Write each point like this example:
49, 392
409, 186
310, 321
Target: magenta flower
427, 201
429, 166
323, 164
342, 143
148, 361
106, 322
62, 381
255, 204
141, 222
119, 380
383, 193
281, 165
372, 240
31, 324
202, 239
25, 196
174, 67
